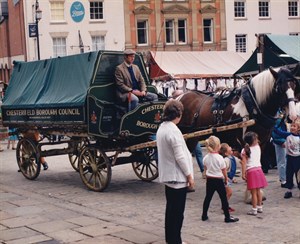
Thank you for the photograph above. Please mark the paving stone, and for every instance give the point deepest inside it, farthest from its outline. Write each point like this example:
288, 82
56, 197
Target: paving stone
137, 236
23, 221
6, 215
2, 227
31, 239
17, 233
84, 221
67, 236
104, 240
98, 230
52, 226
6, 205
25, 210
8, 196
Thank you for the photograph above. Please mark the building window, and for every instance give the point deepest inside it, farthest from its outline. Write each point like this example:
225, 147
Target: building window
59, 47
182, 31
263, 9
239, 9
142, 32
98, 43
240, 43
170, 32
57, 11
96, 10
208, 30
293, 8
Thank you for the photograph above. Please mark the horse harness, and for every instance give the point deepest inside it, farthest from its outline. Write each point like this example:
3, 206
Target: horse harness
221, 100
248, 96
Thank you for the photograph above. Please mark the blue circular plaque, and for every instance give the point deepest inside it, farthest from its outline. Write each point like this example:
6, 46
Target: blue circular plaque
77, 11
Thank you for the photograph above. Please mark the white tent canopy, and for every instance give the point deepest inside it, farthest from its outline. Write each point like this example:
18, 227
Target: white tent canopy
195, 64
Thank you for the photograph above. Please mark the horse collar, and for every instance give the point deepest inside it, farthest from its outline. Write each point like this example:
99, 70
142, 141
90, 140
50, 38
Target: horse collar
248, 96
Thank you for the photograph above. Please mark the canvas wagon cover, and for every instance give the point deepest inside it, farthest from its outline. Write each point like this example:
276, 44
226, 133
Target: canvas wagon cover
49, 90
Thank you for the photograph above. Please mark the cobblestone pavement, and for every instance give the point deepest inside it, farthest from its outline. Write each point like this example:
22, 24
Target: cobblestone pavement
57, 208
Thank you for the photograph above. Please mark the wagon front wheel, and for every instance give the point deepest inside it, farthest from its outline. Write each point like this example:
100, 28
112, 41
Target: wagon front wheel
147, 168
94, 169
28, 159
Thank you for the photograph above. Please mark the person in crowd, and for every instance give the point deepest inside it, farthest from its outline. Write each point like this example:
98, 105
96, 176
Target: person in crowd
197, 151
130, 82
12, 138
35, 136
231, 165
3, 134
175, 169
199, 158
252, 171
293, 156
216, 175
280, 150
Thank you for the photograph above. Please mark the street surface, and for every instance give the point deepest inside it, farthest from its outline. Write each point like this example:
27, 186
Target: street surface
58, 208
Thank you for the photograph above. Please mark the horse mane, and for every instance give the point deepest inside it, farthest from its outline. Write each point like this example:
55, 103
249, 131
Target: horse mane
263, 84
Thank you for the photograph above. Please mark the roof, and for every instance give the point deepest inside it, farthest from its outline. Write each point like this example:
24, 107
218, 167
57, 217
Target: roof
195, 64
279, 50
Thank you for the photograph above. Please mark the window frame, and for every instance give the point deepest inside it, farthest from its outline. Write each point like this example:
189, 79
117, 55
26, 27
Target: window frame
236, 10
180, 28
241, 46
260, 10
94, 44
55, 47
145, 29
96, 13
172, 29
297, 8
52, 14
211, 30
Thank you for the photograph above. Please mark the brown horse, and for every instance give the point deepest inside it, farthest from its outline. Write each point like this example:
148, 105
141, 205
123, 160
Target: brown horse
260, 99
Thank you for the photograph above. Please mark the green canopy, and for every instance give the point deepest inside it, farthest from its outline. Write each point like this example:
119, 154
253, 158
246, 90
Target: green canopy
279, 50
51, 82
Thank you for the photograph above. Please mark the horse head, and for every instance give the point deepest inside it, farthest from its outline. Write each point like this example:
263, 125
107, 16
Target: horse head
286, 83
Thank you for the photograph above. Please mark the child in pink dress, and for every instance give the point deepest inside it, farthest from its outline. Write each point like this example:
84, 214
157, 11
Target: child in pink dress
252, 172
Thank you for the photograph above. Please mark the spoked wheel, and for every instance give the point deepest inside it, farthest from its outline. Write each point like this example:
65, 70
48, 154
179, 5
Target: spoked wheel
73, 157
28, 159
94, 169
148, 169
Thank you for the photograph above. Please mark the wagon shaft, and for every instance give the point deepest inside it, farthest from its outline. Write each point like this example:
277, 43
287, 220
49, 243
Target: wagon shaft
197, 134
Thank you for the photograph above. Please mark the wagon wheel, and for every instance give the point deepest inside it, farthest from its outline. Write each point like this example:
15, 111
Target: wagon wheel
28, 159
148, 169
94, 169
74, 156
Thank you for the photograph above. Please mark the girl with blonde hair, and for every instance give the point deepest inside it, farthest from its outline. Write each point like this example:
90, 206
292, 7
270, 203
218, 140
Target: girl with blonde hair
216, 174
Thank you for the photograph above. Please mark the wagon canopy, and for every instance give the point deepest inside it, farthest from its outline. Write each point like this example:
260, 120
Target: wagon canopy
188, 65
51, 83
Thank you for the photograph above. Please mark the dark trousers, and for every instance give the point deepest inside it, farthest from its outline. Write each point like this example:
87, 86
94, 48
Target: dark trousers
212, 185
174, 214
292, 167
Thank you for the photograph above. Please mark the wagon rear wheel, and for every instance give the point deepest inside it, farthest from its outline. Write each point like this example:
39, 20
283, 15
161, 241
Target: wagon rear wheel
94, 169
148, 169
73, 157
28, 159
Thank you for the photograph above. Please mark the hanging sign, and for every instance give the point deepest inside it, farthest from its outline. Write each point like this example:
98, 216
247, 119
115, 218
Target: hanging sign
77, 11
32, 30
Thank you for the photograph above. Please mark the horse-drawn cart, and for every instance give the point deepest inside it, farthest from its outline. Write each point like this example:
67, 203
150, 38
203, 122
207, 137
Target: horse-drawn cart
74, 96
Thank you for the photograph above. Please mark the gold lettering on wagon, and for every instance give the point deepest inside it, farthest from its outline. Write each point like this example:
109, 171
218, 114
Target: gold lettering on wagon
146, 125
43, 112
